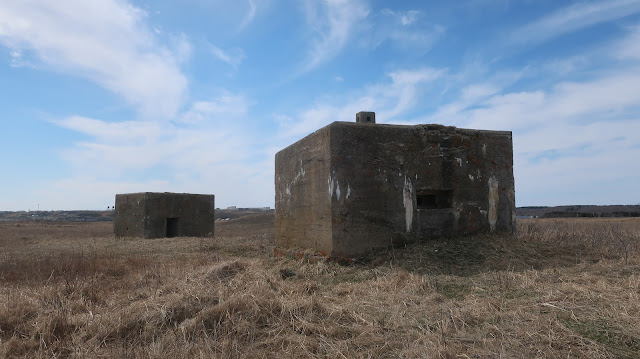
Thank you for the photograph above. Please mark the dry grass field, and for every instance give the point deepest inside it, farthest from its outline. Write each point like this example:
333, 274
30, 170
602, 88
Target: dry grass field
559, 289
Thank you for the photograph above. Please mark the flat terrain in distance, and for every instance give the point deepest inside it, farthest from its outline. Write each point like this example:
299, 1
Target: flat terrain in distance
566, 288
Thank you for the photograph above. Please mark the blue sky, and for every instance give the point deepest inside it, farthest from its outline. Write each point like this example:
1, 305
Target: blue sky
112, 96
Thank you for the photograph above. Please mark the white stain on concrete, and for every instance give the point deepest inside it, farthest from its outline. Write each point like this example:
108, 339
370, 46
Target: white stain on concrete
484, 149
301, 172
456, 216
472, 178
493, 202
348, 190
407, 201
459, 161
334, 188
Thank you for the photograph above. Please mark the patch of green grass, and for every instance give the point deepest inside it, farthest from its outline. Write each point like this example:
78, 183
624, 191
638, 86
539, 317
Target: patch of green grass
622, 345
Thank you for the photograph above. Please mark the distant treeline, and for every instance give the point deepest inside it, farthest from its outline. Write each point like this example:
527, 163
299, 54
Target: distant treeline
556, 214
584, 211
67, 216
105, 216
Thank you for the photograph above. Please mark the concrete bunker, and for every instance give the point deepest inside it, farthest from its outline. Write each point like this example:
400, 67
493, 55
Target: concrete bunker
351, 187
155, 215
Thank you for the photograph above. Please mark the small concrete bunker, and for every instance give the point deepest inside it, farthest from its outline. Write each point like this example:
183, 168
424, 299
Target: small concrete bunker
155, 215
351, 187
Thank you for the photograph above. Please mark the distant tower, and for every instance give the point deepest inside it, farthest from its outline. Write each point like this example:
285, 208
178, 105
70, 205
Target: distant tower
366, 117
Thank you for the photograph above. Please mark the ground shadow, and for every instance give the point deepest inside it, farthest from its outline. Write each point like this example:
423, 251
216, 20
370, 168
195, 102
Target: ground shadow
470, 255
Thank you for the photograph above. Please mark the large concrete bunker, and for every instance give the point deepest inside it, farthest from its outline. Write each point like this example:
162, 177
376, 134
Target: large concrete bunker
351, 187
153, 215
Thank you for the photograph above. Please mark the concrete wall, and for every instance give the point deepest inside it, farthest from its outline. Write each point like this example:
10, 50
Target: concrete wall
153, 215
129, 215
382, 171
387, 184
303, 206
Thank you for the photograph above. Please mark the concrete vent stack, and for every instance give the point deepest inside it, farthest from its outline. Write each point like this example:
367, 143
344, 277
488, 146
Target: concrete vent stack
366, 117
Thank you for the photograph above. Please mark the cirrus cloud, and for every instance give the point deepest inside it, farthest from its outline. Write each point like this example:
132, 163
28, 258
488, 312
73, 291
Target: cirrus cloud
105, 41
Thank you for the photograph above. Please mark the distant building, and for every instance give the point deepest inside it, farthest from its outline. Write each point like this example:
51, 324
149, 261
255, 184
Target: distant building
351, 187
153, 215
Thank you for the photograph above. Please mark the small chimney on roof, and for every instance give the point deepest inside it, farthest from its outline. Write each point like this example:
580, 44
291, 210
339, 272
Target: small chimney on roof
366, 117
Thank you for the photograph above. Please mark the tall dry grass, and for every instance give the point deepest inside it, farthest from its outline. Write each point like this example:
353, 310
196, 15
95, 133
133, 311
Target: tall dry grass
560, 289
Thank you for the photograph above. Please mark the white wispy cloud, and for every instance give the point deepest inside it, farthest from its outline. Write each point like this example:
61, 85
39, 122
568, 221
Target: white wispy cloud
225, 106
575, 105
251, 14
207, 149
106, 41
573, 131
233, 57
564, 66
404, 29
16, 58
571, 137
574, 17
175, 145
403, 78
333, 23
405, 85
564, 130
389, 99
405, 18
337, 23
112, 132
629, 47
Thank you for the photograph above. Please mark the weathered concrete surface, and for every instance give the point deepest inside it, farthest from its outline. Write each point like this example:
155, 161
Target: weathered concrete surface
153, 215
350, 187
302, 194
